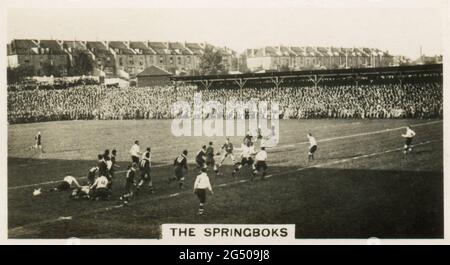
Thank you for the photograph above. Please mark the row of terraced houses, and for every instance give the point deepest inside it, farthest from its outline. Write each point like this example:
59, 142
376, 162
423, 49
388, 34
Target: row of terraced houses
115, 58
128, 58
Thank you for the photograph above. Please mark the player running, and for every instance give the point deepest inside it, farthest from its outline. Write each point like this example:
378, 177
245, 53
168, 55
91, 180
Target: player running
38, 142
210, 161
144, 169
202, 184
180, 169
260, 164
200, 159
130, 183
248, 150
135, 151
409, 135
312, 147
228, 148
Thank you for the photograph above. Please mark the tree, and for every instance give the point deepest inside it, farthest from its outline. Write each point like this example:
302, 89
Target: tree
18, 74
83, 64
211, 62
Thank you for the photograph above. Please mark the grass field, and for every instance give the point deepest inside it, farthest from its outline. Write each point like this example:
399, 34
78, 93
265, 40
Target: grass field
360, 185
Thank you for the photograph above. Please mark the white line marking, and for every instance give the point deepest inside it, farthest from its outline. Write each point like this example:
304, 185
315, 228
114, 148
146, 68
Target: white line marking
174, 194
277, 147
19, 228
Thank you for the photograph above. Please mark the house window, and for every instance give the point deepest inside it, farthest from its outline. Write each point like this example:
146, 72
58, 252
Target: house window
121, 61
130, 60
189, 59
179, 60
161, 59
171, 60
141, 62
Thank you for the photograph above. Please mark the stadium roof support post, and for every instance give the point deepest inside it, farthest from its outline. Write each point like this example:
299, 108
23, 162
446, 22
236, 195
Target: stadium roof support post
400, 79
277, 81
206, 83
356, 78
316, 80
240, 82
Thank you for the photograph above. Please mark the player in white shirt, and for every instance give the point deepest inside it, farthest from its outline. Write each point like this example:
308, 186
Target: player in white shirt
312, 147
248, 150
69, 182
100, 188
261, 158
135, 151
202, 184
82, 192
409, 135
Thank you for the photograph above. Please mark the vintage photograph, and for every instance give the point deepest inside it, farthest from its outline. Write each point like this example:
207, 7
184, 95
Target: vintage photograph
326, 118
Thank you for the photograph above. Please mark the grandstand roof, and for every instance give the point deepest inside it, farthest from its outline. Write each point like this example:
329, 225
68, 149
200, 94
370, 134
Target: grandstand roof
154, 71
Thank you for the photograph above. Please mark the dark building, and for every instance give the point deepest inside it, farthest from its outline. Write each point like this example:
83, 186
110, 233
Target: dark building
153, 76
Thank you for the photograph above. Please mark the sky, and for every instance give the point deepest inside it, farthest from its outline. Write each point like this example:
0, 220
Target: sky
400, 29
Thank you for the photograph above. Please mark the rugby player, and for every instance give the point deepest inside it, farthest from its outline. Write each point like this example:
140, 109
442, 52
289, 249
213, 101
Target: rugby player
180, 169
200, 159
202, 184
248, 151
100, 189
260, 164
210, 161
312, 147
135, 152
408, 135
130, 183
144, 169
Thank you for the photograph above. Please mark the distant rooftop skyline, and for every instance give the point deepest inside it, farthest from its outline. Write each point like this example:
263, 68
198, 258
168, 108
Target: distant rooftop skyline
401, 31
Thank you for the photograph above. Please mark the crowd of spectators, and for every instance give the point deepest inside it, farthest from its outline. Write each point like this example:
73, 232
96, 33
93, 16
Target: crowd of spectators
410, 100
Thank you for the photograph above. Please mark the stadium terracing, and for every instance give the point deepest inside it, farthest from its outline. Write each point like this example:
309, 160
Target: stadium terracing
128, 58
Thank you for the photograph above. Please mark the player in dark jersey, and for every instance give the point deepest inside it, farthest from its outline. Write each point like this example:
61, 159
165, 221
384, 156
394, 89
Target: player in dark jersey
180, 169
144, 169
91, 175
200, 159
227, 147
102, 167
210, 157
114, 163
130, 183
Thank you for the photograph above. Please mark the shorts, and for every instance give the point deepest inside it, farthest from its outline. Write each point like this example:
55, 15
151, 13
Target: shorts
145, 174
210, 161
63, 186
249, 161
200, 162
135, 159
91, 178
261, 165
201, 195
129, 187
101, 193
179, 173
313, 149
408, 141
